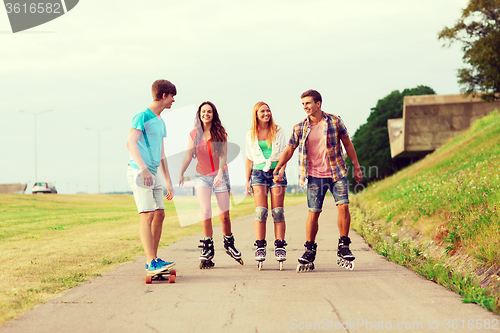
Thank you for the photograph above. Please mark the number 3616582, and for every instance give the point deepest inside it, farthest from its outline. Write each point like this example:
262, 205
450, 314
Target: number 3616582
33, 8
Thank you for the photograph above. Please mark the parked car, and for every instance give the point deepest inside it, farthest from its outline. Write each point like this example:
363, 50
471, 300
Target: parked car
43, 187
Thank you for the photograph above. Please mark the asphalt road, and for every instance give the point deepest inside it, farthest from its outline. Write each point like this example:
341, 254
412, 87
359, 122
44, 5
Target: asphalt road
376, 296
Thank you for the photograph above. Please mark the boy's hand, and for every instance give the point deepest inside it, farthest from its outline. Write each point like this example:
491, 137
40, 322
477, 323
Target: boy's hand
148, 177
170, 193
358, 174
278, 175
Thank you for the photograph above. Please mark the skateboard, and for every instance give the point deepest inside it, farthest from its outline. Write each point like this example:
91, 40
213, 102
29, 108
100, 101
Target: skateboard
171, 273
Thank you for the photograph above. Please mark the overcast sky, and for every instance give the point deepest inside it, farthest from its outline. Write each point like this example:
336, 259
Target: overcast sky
94, 67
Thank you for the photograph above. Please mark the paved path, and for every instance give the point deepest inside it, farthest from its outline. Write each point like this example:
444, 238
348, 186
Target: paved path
376, 296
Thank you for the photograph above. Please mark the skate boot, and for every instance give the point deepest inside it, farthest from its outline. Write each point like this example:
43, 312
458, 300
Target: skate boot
279, 251
231, 250
306, 262
260, 252
345, 257
207, 253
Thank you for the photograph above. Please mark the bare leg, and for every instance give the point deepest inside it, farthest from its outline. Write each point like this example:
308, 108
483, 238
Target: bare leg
344, 219
260, 197
312, 226
204, 198
156, 229
223, 203
147, 239
277, 200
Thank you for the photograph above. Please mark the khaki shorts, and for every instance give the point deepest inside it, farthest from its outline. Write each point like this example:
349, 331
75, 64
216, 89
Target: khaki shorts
147, 198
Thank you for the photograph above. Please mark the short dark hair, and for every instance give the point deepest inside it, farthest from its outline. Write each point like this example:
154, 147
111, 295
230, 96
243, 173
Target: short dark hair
314, 94
161, 87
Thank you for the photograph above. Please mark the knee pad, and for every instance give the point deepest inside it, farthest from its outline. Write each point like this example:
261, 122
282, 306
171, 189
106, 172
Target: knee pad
278, 214
261, 214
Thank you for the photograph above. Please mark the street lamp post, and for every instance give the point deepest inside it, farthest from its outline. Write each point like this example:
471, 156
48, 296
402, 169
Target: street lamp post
35, 115
98, 155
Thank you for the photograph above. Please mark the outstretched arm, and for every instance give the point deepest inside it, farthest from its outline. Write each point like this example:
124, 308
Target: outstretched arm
285, 157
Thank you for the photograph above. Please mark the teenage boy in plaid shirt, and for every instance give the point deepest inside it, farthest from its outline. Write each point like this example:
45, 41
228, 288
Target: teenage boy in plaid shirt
320, 161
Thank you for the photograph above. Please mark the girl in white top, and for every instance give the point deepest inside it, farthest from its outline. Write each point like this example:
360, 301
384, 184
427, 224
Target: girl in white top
265, 143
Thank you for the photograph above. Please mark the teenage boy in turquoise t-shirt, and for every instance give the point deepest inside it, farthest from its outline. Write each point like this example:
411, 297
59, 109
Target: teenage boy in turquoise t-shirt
145, 144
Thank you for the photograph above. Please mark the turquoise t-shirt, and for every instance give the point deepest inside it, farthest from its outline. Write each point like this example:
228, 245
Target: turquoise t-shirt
153, 131
267, 153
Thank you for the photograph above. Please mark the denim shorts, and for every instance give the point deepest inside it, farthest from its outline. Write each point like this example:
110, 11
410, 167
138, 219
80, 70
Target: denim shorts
265, 178
208, 182
317, 188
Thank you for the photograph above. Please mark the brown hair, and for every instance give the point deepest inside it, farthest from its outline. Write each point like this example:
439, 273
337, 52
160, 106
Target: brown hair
218, 134
314, 94
273, 128
161, 87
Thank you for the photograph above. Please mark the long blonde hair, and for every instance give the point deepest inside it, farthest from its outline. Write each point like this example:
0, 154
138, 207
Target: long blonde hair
271, 132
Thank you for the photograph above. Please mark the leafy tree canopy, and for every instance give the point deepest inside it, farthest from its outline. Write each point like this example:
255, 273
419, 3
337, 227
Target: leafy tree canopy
478, 29
371, 140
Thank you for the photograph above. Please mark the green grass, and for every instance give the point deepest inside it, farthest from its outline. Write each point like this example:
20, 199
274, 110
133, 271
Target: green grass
50, 243
443, 211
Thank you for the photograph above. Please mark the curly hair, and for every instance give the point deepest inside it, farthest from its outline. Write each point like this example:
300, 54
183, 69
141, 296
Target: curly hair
218, 135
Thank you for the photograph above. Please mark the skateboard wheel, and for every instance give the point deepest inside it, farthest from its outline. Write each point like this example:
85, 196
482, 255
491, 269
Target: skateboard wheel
173, 272
149, 279
171, 279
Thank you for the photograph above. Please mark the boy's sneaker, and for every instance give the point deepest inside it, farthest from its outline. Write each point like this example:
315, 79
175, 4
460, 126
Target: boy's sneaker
165, 264
156, 267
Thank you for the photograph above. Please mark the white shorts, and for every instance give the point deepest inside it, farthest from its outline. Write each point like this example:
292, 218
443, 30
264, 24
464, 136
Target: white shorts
147, 198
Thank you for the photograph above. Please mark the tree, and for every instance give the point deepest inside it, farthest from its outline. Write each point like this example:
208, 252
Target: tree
479, 31
371, 140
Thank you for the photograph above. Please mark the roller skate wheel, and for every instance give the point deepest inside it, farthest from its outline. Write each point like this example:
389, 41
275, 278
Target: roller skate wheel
259, 265
281, 265
339, 262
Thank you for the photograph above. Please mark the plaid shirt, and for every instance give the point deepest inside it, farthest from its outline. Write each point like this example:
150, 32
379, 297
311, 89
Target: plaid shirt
334, 129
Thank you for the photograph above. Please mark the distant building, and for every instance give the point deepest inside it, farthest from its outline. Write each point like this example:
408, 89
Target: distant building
429, 121
13, 188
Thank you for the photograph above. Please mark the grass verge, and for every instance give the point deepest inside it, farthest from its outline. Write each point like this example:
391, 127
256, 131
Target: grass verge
439, 217
50, 243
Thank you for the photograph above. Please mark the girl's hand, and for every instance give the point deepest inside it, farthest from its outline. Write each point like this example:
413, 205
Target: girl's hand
218, 180
248, 189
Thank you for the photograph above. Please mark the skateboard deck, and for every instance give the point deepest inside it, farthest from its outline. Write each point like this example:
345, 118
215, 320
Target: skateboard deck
171, 273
